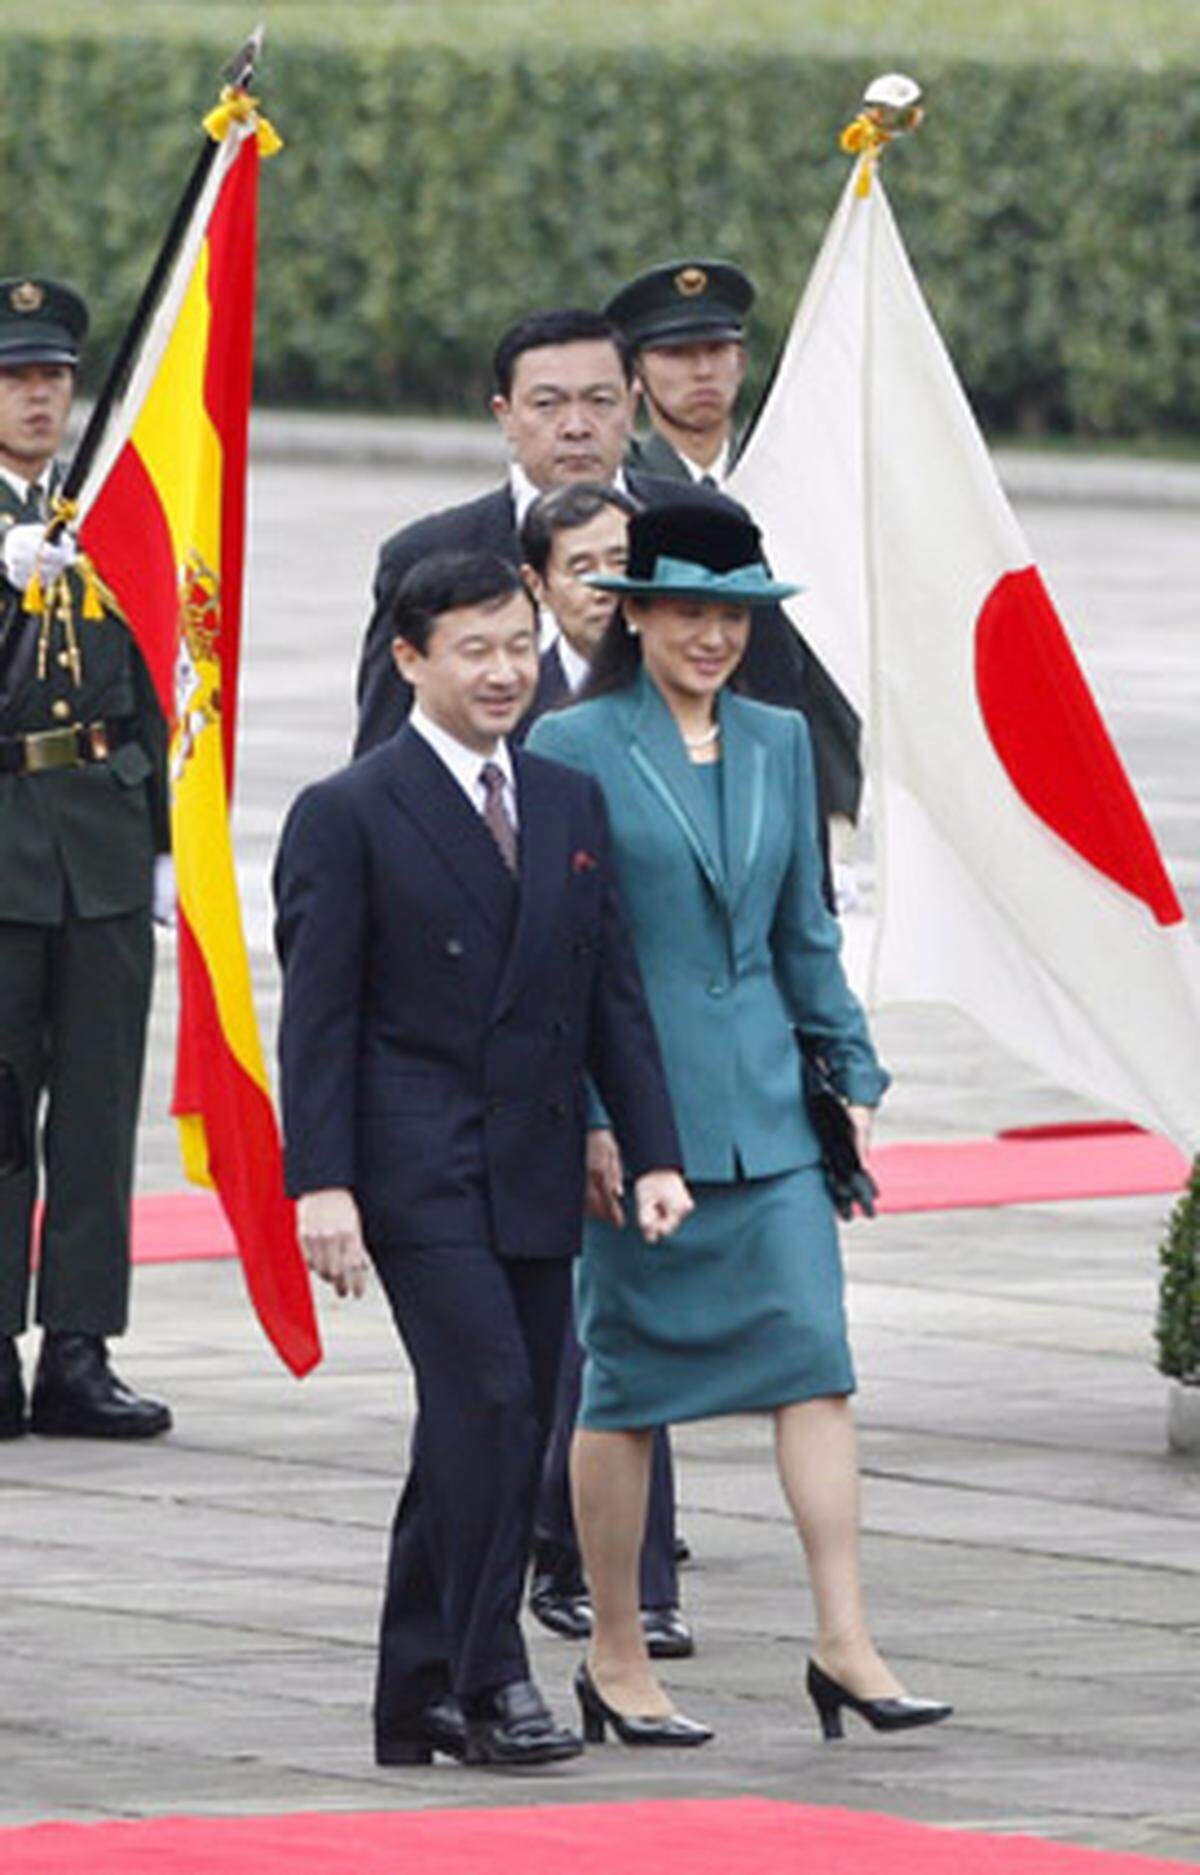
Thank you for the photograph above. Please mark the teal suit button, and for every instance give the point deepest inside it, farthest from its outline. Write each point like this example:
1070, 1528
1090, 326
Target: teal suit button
718, 989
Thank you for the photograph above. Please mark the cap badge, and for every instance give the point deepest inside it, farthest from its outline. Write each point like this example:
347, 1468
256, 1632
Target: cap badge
26, 298
691, 280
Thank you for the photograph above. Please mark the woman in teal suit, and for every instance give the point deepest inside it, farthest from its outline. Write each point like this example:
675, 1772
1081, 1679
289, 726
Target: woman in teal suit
713, 810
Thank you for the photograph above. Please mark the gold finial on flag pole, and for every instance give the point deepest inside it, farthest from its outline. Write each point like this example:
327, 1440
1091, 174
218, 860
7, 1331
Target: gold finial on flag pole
891, 107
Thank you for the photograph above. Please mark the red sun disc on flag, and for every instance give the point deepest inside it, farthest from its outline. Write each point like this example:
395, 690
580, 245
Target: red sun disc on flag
1050, 737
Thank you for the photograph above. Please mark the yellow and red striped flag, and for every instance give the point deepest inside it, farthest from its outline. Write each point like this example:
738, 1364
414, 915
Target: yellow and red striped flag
162, 513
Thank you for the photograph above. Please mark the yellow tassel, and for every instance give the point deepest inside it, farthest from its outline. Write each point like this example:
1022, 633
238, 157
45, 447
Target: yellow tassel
238, 107
91, 608
269, 140
34, 599
863, 137
63, 510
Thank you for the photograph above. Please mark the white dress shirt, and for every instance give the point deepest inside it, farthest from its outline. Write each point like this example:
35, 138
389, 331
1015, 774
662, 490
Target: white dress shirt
575, 669
21, 485
718, 469
525, 492
466, 765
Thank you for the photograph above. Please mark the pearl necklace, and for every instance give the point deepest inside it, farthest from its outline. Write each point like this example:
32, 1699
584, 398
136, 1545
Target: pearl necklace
702, 742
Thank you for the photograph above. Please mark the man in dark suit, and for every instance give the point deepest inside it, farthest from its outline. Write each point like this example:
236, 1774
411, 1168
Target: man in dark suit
83, 815
564, 398
569, 536
684, 325
454, 960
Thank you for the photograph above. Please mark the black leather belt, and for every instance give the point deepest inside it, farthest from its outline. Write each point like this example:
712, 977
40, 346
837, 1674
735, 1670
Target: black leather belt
72, 746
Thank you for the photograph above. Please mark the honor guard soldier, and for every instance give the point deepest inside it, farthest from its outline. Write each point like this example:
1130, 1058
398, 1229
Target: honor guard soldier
685, 325
83, 815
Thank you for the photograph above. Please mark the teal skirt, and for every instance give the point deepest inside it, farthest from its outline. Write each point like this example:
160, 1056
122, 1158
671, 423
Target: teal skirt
740, 1311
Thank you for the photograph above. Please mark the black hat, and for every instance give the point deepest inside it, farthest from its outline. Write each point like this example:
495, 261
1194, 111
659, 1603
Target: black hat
681, 302
699, 545
41, 323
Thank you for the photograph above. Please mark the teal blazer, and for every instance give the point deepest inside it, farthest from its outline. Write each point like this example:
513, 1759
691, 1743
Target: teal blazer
737, 948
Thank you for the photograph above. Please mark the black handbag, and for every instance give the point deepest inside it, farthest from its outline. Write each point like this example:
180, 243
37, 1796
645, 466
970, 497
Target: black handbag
14, 1152
846, 1176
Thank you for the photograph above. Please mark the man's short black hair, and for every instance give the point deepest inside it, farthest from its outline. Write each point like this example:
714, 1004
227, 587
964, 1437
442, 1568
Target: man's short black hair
562, 508
561, 325
442, 582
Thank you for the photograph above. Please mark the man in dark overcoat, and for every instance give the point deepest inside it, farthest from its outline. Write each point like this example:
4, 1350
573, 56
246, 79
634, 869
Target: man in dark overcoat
83, 814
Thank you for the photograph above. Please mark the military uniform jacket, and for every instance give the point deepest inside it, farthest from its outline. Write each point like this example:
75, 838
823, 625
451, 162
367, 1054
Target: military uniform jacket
81, 838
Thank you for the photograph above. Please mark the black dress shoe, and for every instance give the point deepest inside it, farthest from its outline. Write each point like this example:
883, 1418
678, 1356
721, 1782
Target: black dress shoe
668, 1636
77, 1395
513, 1726
829, 1696
564, 1610
597, 1714
681, 1550
12, 1390
439, 1727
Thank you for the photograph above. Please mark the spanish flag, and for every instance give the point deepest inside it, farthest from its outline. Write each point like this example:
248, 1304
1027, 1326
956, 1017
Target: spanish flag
162, 511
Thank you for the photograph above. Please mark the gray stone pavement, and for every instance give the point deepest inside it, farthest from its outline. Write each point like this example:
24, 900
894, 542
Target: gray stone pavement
190, 1626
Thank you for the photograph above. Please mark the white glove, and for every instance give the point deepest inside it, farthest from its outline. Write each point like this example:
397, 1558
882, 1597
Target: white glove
26, 547
163, 900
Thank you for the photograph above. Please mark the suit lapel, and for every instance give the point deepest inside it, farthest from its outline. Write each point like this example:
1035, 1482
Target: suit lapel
743, 791
426, 790
658, 754
542, 875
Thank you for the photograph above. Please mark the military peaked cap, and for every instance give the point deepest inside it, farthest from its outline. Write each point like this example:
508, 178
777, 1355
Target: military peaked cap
684, 301
41, 323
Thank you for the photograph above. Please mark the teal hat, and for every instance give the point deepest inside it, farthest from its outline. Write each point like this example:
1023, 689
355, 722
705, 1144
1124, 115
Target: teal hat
681, 302
699, 545
41, 323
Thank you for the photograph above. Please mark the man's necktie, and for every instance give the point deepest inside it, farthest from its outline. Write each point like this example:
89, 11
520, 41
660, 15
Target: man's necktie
496, 814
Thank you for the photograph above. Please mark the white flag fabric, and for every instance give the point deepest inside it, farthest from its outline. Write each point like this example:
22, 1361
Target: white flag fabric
1017, 877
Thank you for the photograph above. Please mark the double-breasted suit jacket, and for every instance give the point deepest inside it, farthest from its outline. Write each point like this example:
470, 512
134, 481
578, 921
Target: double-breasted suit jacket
736, 946
438, 1017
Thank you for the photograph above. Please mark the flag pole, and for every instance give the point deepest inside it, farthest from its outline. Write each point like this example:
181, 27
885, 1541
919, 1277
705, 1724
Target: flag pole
237, 74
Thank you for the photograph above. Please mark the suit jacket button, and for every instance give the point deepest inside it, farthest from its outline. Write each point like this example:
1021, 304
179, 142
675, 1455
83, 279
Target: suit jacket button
716, 988
454, 947
494, 1105
561, 1027
555, 1109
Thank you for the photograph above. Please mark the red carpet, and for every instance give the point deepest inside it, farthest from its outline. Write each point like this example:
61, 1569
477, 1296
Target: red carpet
1029, 1166
739, 1836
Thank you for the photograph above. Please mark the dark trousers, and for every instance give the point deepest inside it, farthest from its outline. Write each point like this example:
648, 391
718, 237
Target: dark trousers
73, 1004
556, 1544
484, 1336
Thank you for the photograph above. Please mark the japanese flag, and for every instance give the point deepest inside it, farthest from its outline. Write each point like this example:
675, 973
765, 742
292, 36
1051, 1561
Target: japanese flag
1017, 877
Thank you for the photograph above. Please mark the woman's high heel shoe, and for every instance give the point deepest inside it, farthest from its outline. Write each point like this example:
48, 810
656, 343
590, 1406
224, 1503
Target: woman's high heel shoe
885, 1715
596, 1714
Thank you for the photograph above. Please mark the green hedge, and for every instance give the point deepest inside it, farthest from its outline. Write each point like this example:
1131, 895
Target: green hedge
428, 195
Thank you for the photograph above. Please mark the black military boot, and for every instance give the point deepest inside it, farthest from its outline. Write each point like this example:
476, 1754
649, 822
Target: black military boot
12, 1390
76, 1395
